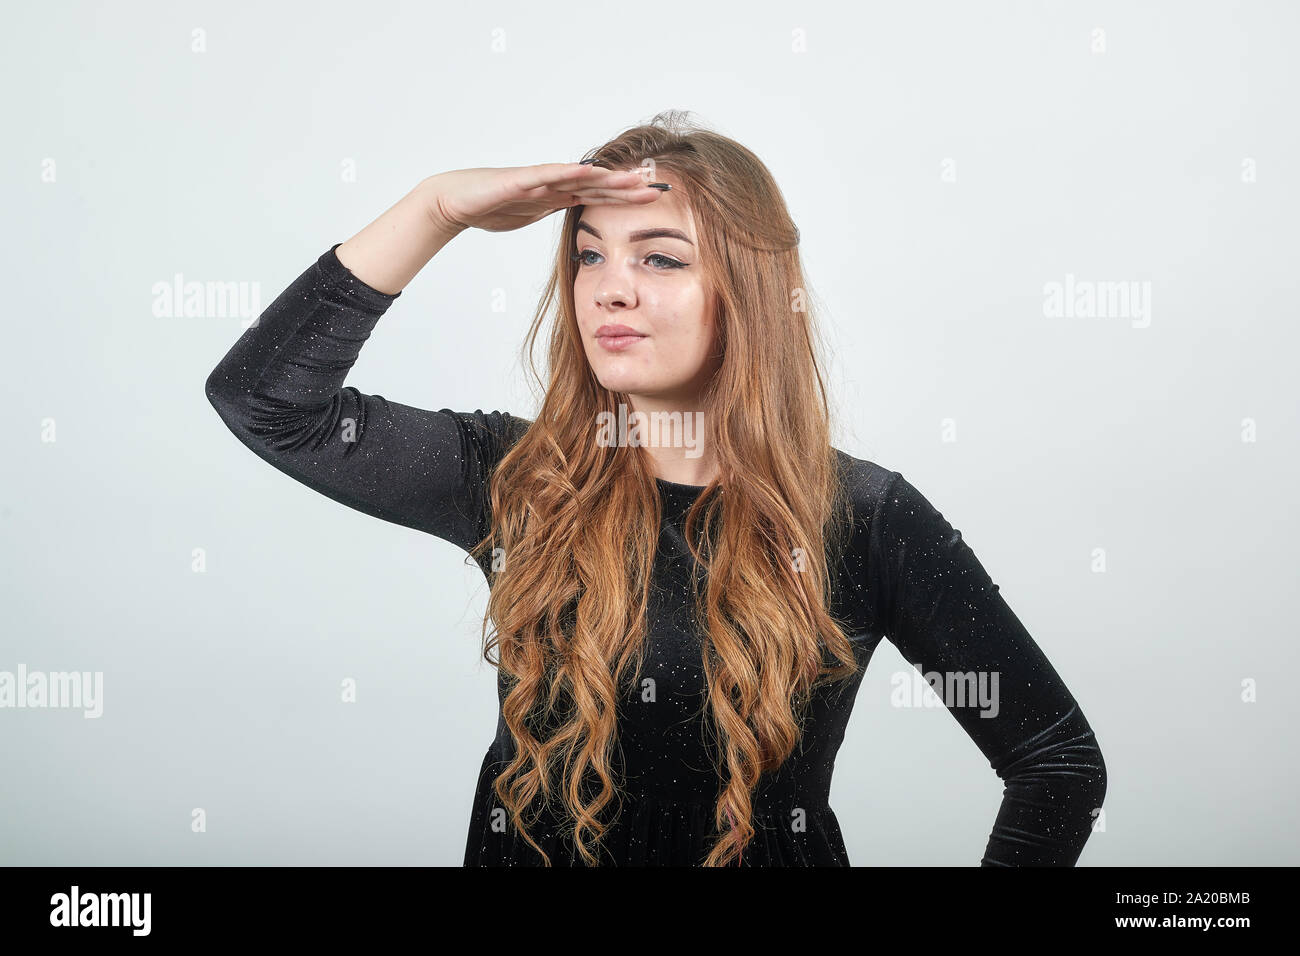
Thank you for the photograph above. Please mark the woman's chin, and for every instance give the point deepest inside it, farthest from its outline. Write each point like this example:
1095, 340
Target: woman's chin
627, 384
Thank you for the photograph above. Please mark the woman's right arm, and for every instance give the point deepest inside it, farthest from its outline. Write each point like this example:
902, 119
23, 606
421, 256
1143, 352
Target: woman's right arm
280, 387
387, 254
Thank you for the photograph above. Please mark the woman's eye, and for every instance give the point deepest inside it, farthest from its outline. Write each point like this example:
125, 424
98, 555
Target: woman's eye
668, 263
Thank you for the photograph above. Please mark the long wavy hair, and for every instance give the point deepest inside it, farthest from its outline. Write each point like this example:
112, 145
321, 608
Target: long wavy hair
578, 520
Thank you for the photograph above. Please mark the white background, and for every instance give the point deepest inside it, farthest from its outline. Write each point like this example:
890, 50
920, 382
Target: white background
221, 687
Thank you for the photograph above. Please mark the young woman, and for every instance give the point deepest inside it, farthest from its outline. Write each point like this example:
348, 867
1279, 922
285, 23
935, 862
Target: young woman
681, 625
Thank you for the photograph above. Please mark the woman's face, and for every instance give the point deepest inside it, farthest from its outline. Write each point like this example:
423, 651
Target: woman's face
639, 268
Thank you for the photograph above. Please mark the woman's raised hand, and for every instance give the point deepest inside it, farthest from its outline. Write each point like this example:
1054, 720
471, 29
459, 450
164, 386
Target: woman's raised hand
499, 199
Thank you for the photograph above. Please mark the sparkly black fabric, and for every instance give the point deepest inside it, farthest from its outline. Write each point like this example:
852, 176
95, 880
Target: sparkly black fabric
905, 575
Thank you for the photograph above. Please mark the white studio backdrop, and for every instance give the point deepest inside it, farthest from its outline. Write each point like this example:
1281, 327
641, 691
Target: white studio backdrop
966, 178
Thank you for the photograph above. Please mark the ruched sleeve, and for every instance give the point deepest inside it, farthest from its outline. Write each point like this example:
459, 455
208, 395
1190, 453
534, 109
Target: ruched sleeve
280, 391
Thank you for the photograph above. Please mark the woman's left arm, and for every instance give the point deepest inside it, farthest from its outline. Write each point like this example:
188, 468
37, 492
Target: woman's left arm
946, 615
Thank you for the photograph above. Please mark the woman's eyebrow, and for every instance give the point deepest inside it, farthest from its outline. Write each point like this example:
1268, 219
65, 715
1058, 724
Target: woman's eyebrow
659, 232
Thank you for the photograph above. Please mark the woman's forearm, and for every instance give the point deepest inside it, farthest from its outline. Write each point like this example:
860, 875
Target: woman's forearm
389, 252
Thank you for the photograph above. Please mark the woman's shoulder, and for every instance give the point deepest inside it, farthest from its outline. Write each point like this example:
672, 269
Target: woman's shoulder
867, 483
885, 503
899, 518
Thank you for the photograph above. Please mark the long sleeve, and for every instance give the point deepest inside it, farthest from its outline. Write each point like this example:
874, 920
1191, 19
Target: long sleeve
946, 615
280, 390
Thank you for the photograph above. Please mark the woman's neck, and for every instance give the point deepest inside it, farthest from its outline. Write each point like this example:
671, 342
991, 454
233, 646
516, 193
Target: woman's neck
675, 437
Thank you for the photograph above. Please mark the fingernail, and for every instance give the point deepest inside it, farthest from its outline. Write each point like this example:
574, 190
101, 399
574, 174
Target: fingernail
586, 161
662, 187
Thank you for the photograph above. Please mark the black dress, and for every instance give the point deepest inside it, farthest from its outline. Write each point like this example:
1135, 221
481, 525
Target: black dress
906, 574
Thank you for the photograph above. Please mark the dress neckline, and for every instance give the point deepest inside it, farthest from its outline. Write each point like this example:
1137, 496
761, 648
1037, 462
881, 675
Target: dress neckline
679, 485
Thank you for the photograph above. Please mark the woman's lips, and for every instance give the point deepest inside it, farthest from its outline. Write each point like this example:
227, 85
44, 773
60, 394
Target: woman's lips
617, 343
616, 338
